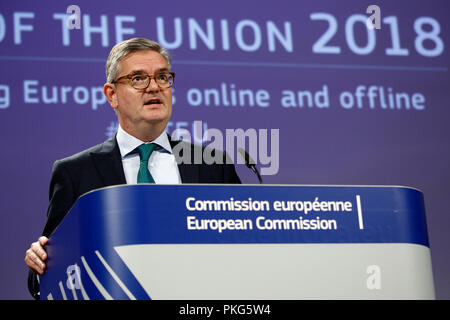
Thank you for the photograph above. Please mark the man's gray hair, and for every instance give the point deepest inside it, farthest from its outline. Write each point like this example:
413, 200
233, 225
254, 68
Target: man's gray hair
124, 48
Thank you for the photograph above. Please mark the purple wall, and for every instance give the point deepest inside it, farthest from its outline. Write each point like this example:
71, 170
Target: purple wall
51, 105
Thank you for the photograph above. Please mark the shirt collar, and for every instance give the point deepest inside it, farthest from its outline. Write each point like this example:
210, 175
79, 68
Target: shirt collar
128, 143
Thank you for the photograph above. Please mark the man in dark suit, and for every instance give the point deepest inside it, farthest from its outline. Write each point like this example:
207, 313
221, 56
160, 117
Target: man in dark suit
139, 89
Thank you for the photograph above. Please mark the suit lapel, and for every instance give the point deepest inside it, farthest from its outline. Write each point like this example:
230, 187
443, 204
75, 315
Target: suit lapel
189, 172
108, 162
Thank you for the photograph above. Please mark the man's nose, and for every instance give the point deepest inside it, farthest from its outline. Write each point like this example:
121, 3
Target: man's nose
152, 86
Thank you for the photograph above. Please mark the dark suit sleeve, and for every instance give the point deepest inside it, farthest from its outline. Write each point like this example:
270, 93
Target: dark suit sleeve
230, 175
222, 172
61, 199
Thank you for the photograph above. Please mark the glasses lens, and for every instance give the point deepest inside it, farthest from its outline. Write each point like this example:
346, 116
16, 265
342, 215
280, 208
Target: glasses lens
164, 80
140, 81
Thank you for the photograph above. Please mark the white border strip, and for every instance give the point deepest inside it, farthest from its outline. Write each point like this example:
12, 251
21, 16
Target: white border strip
83, 292
63, 292
360, 217
74, 291
115, 276
94, 279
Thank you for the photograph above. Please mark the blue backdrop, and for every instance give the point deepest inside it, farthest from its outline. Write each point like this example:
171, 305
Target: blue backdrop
353, 105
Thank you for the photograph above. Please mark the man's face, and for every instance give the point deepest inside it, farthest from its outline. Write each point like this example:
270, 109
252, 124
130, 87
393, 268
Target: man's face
150, 108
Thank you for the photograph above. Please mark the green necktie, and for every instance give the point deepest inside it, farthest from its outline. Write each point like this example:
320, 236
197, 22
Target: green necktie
145, 150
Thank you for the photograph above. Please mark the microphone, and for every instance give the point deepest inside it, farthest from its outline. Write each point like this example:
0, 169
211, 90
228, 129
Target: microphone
250, 163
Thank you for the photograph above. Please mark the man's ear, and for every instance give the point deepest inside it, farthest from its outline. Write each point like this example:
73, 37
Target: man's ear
110, 92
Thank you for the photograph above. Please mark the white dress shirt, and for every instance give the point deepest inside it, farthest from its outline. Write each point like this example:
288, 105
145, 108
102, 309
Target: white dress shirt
162, 163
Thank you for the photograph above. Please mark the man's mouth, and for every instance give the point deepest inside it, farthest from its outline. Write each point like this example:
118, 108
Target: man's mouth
152, 101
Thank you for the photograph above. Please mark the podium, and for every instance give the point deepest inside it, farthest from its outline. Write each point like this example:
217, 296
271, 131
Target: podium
197, 241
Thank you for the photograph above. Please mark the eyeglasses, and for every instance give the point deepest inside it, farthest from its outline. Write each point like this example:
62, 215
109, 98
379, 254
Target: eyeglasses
142, 81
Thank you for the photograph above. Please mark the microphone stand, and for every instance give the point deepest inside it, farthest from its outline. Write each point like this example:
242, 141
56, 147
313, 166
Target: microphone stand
250, 163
